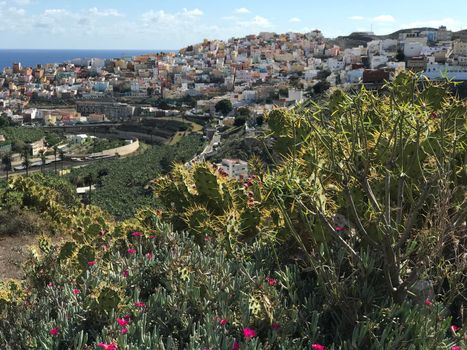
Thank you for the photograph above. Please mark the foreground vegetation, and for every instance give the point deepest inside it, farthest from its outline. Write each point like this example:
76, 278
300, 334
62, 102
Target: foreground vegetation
356, 239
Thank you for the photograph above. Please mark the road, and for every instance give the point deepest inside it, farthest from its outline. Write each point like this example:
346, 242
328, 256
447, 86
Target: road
67, 164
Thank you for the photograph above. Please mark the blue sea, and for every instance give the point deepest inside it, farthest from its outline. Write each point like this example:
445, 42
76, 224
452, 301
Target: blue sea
30, 58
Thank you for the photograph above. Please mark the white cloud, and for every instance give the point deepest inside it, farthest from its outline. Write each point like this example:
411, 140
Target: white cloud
383, 19
357, 18
261, 22
242, 10
193, 13
295, 20
104, 13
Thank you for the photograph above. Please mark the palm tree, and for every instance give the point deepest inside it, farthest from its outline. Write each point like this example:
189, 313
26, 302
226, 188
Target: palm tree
26, 161
62, 154
88, 180
6, 161
43, 159
55, 157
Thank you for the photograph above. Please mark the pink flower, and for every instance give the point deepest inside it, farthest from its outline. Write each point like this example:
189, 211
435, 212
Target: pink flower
223, 322
50, 284
236, 345
139, 304
152, 237
275, 326
456, 347
76, 291
125, 273
207, 238
131, 251
124, 330
122, 322
54, 331
249, 333
104, 346
127, 317
317, 347
271, 281
137, 234
91, 263
340, 228
149, 256
428, 302
454, 328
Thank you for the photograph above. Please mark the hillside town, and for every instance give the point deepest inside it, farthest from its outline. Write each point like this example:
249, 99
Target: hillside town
255, 71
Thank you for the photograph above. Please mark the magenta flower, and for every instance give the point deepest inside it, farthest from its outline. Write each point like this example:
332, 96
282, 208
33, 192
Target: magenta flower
340, 228
275, 326
76, 291
428, 302
152, 237
125, 273
249, 333
54, 331
149, 256
127, 317
104, 346
454, 328
122, 322
124, 330
317, 347
236, 345
271, 281
456, 347
223, 322
137, 234
131, 251
139, 304
91, 263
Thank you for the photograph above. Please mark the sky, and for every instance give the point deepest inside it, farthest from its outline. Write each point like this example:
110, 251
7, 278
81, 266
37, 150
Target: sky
173, 24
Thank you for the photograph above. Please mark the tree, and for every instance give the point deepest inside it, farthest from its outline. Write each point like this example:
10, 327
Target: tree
400, 57
43, 159
25, 155
321, 86
62, 154
240, 120
243, 111
323, 74
6, 161
55, 157
89, 180
224, 107
4, 121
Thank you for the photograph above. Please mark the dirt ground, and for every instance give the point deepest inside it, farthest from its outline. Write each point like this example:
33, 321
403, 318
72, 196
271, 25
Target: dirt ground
13, 252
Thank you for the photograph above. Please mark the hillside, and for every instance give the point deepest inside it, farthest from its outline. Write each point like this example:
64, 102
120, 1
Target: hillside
356, 239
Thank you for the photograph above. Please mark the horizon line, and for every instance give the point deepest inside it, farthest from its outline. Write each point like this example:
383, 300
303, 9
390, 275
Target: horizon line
86, 49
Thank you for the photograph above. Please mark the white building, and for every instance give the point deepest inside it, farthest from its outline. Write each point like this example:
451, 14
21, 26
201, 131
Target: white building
295, 95
234, 167
78, 139
413, 49
436, 71
377, 61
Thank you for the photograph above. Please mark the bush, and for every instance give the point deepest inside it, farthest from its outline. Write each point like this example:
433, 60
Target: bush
22, 222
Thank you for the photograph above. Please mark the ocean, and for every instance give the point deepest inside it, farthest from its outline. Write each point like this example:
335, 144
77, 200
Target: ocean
30, 58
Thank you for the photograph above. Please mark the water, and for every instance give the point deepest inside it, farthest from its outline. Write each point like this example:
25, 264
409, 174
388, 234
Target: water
30, 58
